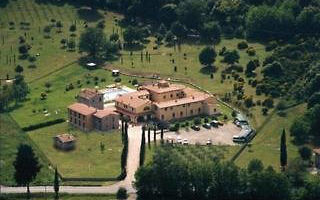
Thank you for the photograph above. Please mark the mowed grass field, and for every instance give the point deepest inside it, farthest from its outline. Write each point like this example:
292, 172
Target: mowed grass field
11, 136
87, 159
266, 145
38, 15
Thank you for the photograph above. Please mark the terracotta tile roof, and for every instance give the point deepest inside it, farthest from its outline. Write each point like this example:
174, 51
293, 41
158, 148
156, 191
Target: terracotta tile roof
134, 99
88, 93
82, 109
186, 100
156, 88
317, 151
192, 96
65, 138
106, 112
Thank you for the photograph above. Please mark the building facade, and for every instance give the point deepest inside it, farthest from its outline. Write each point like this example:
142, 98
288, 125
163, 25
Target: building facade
91, 97
166, 102
89, 112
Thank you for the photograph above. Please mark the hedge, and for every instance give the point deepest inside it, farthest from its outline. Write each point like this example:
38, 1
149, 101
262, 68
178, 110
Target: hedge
43, 124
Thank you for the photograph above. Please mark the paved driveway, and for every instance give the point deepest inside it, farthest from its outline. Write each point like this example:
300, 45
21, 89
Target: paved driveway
219, 136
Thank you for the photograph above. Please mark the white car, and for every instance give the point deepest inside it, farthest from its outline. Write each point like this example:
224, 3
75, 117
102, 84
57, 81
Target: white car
209, 142
179, 140
185, 142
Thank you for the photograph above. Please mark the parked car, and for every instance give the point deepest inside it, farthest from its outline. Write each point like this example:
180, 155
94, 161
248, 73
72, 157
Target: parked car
196, 128
209, 142
179, 140
207, 126
214, 123
185, 142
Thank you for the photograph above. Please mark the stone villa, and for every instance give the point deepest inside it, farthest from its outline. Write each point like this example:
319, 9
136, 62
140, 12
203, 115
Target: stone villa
160, 100
165, 101
89, 112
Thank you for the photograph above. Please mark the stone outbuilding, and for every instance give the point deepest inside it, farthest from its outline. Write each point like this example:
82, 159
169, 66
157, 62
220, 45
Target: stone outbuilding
64, 142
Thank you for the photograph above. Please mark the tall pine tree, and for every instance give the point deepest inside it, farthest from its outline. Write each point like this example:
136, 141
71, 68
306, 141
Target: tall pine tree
142, 148
26, 166
283, 151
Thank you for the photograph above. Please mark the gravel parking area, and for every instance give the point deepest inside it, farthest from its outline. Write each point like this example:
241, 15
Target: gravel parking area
218, 136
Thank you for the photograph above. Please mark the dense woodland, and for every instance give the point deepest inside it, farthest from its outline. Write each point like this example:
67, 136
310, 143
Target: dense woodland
173, 176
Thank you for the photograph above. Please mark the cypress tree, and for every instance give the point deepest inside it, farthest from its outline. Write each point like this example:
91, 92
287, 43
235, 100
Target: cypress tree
142, 149
149, 133
283, 151
56, 184
26, 166
162, 135
155, 134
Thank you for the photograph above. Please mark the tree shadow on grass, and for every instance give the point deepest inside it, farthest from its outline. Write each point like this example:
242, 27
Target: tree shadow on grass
134, 47
90, 15
208, 70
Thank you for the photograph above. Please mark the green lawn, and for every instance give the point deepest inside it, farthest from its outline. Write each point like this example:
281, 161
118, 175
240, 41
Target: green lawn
10, 138
266, 145
39, 15
87, 160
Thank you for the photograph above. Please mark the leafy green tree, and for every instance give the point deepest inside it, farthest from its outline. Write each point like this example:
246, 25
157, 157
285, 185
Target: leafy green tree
26, 166
211, 32
207, 56
19, 69
56, 183
168, 14
190, 13
283, 151
305, 153
93, 41
178, 29
231, 57
59, 25
255, 165
273, 70
132, 35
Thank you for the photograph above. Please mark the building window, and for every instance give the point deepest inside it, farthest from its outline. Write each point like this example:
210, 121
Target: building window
83, 125
171, 95
164, 96
171, 108
215, 110
181, 114
184, 105
191, 111
199, 110
162, 117
173, 115
165, 109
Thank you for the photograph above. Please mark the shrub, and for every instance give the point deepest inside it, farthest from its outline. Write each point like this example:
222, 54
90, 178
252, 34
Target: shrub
122, 193
206, 120
32, 59
197, 121
117, 80
271, 45
251, 51
134, 82
242, 45
43, 124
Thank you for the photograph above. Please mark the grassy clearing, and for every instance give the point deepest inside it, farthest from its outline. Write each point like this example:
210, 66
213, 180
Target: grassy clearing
10, 138
266, 145
87, 160
39, 15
